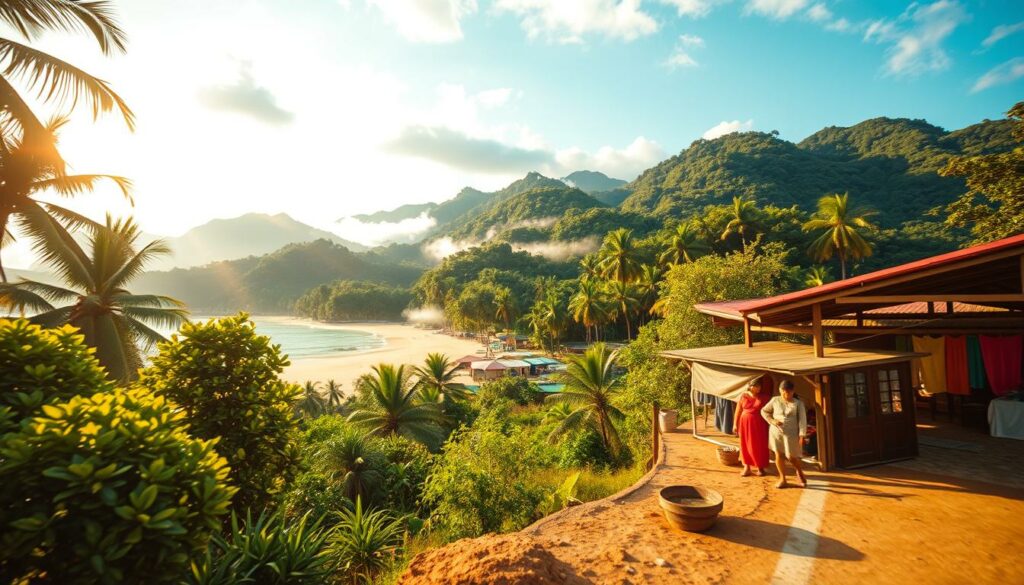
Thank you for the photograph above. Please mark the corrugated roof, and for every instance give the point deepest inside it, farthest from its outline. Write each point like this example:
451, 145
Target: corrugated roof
788, 358
514, 363
740, 307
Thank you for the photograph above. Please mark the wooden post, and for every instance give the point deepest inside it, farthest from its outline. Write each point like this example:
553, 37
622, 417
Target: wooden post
655, 436
1022, 273
824, 425
949, 307
819, 337
748, 337
931, 308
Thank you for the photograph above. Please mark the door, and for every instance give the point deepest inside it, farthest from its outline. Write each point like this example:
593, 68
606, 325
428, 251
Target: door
857, 441
875, 415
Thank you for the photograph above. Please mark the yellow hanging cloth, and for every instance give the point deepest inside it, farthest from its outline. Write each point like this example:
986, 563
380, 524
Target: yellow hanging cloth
931, 371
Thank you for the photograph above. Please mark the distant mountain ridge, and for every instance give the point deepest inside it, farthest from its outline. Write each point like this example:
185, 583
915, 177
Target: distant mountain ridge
591, 182
252, 234
889, 164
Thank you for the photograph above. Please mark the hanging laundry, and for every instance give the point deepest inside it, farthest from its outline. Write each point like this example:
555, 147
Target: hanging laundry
957, 378
725, 412
975, 364
1002, 357
931, 370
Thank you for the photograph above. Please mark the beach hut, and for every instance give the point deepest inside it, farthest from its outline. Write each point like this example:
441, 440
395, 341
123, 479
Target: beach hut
465, 361
540, 365
942, 326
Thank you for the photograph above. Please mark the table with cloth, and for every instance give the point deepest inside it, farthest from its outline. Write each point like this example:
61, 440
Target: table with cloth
1006, 416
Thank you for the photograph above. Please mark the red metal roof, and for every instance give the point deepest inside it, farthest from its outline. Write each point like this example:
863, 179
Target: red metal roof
753, 305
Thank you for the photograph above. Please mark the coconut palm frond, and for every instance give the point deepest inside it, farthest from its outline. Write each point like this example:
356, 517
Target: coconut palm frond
54, 246
31, 18
58, 81
71, 185
15, 298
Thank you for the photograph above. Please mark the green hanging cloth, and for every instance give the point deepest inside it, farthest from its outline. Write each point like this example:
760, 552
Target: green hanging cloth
975, 364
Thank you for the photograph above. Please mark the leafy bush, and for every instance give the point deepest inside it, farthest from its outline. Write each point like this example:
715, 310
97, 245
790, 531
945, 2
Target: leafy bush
365, 543
225, 378
315, 493
43, 366
481, 482
266, 551
584, 449
107, 488
408, 464
514, 388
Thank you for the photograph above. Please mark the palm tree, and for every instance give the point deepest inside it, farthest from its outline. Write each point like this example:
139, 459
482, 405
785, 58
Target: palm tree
437, 374
592, 388
558, 412
647, 287
334, 395
112, 319
818, 275
553, 316
619, 257
745, 219
624, 298
505, 306
685, 245
394, 409
350, 458
24, 174
312, 402
589, 268
587, 305
839, 227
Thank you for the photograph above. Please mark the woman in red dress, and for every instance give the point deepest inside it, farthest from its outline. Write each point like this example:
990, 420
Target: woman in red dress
751, 426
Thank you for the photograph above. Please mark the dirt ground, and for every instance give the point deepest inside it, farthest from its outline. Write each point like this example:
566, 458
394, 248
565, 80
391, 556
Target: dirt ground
896, 523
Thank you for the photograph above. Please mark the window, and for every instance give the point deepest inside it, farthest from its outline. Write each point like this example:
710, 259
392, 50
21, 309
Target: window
855, 390
889, 391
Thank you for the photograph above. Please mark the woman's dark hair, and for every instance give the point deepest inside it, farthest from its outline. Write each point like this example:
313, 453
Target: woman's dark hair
787, 385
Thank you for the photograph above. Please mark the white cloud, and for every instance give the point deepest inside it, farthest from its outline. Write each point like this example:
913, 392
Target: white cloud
916, 37
691, 41
839, 25
819, 12
778, 9
680, 58
374, 234
625, 163
1002, 74
569, 22
244, 96
426, 21
458, 150
1001, 32
725, 127
692, 8
559, 251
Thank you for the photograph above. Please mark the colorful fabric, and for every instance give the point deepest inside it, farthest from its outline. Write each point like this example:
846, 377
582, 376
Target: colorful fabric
725, 412
957, 377
1002, 357
931, 370
975, 364
753, 429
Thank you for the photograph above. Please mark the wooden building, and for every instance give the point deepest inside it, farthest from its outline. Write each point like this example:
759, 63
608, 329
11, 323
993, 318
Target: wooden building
851, 374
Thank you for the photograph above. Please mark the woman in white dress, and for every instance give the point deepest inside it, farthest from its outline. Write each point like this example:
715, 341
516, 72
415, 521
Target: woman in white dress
788, 419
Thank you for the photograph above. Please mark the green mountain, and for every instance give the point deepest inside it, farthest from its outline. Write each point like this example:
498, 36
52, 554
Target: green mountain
592, 182
252, 234
536, 208
889, 164
397, 214
272, 282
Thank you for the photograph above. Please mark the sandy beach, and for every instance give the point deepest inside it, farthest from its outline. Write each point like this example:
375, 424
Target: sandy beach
405, 345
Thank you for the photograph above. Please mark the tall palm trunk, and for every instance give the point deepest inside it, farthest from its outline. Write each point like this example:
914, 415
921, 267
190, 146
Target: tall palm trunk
842, 263
625, 315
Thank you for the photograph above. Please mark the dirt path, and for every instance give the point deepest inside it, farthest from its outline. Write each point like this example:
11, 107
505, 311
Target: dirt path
885, 524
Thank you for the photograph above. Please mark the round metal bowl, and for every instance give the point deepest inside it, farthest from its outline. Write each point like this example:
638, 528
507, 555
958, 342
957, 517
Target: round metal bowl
690, 508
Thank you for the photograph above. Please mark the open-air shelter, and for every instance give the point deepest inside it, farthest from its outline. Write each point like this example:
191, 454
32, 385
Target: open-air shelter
874, 340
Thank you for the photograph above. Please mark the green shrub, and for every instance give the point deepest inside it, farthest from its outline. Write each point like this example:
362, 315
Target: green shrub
481, 482
407, 466
353, 461
225, 378
43, 366
315, 493
266, 551
365, 543
107, 488
584, 449
514, 388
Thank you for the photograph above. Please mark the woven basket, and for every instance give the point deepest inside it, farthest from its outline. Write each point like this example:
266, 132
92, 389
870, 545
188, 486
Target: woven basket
729, 455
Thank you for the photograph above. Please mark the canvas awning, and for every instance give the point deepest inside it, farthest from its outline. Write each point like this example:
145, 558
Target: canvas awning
721, 381
487, 365
788, 358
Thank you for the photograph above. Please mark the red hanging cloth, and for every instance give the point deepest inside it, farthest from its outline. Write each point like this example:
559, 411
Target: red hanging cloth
1002, 357
957, 380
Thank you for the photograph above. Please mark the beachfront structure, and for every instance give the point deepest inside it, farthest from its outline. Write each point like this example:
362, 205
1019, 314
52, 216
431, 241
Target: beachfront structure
483, 370
949, 325
541, 365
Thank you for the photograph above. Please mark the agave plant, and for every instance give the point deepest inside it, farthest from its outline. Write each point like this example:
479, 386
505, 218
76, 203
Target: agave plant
365, 543
267, 550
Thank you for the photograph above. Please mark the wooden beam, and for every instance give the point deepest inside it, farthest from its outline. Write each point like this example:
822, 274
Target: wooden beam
748, 336
817, 332
931, 307
949, 307
902, 299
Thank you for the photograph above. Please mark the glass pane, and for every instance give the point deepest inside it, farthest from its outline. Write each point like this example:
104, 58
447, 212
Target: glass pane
897, 406
886, 409
860, 377
883, 388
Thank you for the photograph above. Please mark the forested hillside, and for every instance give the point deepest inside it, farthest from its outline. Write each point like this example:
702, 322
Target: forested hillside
889, 164
271, 283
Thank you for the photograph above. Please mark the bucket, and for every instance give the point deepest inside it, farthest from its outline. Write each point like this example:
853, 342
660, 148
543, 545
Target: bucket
668, 420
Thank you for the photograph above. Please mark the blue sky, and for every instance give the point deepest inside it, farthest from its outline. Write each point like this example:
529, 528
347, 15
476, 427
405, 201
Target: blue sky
327, 108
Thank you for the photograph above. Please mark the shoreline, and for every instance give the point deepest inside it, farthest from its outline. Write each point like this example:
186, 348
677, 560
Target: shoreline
403, 344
